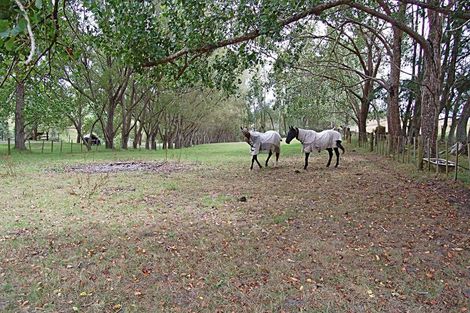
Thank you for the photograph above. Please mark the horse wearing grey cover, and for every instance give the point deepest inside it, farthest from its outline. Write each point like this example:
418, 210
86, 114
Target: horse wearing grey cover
269, 141
314, 141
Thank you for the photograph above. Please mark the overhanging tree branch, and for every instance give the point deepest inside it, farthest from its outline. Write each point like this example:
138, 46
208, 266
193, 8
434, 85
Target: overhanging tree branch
446, 10
420, 39
315, 10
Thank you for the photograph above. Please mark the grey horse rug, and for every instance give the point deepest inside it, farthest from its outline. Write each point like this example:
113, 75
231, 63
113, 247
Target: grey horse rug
268, 141
313, 141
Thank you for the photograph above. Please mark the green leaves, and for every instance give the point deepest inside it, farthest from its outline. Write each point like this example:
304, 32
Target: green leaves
10, 44
4, 26
38, 4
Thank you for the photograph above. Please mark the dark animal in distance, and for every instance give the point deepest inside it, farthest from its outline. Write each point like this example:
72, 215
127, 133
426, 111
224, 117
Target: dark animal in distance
312, 140
91, 139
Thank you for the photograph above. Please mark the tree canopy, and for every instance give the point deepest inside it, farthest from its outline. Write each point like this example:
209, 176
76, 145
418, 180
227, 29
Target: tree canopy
131, 70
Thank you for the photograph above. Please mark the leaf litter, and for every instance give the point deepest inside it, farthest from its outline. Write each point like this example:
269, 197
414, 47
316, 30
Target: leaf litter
360, 238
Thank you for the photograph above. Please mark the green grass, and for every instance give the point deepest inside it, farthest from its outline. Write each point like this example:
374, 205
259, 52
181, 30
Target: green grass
182, 241
206, 154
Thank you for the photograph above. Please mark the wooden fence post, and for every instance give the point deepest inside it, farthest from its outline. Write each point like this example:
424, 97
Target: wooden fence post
429, 154
456, 164
52, 146
402, 147
447, 159
9, 145
61, 142
382, 139
384, 145
437, 156
468, 153
29, 144
71, 147
396, 151
379, 144
408, 152
420, 153
42, 146
372, 142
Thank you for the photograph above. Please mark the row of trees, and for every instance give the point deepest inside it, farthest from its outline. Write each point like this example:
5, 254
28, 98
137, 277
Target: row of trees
76, 80
371, 64
155, 67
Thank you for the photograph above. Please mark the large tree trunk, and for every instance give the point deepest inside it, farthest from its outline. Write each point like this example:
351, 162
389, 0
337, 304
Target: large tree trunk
447, 95
147, 141
415, 123
364, 110
362, 124
19, 117
109, 127
78, 128
444, 124
124, 140
137, 136
454, 121
394, 85
461, 135
408, 114
431, 84
153, 140
125, 131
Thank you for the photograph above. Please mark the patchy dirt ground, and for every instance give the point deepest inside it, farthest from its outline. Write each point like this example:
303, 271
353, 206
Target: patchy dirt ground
129, 166
365, 237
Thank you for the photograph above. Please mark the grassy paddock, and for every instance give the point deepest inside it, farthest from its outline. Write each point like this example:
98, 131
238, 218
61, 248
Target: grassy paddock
365, 237
208, 154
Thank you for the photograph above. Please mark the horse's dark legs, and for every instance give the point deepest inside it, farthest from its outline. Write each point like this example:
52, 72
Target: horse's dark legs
277, 156
307, 154
253, 159
269, 156
330, 153
337, 156
256, 159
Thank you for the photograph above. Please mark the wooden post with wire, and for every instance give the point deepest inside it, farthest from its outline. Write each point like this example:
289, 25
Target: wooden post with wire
420, 164
429, 154
437, 157
403, 149
468, 154
447, 159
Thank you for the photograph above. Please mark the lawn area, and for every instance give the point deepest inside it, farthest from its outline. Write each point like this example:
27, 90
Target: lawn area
201, 233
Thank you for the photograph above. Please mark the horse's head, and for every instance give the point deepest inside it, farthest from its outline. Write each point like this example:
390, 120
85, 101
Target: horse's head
293, 133
246, 135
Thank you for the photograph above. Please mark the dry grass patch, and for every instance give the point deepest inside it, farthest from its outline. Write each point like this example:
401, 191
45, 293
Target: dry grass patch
360, 238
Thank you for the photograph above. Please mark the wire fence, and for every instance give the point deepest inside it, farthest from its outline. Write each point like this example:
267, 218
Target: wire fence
51, 146
401, 149
445, 159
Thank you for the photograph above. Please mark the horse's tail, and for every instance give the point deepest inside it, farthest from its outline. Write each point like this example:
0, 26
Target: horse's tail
339, 145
